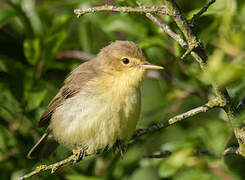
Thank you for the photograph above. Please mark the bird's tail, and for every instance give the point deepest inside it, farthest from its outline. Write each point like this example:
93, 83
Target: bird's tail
44, 147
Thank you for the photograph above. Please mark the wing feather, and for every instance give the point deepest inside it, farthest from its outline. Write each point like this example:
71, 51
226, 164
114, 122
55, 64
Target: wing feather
73, 84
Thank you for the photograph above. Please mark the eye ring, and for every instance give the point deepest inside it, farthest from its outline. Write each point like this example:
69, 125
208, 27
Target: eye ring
125, 60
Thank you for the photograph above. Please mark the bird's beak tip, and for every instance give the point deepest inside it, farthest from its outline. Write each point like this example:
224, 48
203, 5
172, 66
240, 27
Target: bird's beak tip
151, 66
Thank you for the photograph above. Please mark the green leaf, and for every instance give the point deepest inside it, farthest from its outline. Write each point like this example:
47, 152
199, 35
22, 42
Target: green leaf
5, 14
84, 35
217, 131
7, 138
144, 173
34, 97
9, 106
221, 71
3, 66
22, 17
29, 9
80, 177
32, 50
52, 45
60, 22
194, 173
167, 170
124, 23
170, 166
88, 31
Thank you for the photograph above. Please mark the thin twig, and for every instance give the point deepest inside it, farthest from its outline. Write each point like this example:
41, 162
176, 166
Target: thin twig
168, 31
175, 119
231, 150
163, 154
203, 10
140, 9
75, 55
181, 22
241, 105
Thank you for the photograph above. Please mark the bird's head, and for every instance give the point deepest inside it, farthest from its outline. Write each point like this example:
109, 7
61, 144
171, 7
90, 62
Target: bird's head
124, 59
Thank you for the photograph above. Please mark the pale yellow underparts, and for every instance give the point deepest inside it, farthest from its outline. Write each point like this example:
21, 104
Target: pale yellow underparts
105, 110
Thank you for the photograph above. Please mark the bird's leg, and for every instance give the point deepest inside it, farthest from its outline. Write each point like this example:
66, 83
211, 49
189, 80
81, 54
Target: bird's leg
79, 154
121, 147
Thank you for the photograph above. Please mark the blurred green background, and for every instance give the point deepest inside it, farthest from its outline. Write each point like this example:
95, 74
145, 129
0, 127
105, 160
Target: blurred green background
37, 44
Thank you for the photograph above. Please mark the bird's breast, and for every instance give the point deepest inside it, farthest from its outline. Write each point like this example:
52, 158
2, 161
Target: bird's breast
96, 120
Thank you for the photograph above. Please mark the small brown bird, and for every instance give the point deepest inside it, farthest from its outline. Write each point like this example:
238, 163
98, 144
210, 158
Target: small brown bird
98, 105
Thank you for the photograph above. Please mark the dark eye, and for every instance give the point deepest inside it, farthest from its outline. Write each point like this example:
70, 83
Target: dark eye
125, 60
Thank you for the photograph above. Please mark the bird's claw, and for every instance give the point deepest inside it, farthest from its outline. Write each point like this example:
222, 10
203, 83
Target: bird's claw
121, 147
79, 155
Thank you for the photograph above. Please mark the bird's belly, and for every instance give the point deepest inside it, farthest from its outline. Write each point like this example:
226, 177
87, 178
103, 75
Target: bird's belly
94, 123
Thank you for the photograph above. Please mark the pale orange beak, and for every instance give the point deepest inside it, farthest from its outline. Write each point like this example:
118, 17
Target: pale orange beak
147, 65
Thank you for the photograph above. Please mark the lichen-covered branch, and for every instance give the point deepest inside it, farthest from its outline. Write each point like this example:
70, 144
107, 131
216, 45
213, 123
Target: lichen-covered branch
241, 105
163, 154
140, 9
175, 119
52, 167
168, 31
176, 37
193, 43
231, 150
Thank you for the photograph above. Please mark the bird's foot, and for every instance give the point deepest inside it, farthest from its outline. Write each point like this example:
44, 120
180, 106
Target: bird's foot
121, 147
79, 154
41, 167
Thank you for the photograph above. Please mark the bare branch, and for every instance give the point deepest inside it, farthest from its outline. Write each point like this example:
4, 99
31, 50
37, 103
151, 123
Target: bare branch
175, 13
163, 154
231, 150
140, 9
241, 105
175, 119
203, 10
76, 55
168, 31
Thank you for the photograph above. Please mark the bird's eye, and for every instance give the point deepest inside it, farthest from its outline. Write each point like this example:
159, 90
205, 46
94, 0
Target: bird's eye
125, 60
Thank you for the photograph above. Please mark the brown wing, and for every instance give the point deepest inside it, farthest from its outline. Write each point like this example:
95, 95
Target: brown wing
73, 84
64, 93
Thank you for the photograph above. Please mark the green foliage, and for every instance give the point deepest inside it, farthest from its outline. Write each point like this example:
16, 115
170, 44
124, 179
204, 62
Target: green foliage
32, 50
80, 177
34, 34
